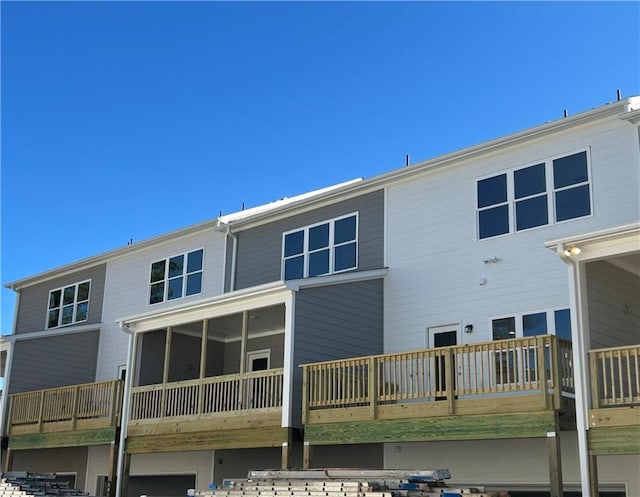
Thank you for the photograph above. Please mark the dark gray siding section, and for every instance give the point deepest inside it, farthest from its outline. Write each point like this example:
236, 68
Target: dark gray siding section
613, 296
56, 361
335, 322
260, 248
32, 308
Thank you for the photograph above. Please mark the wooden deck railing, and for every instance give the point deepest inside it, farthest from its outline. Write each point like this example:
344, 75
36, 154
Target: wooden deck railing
615, 374
541, 363
218, 394
73, 404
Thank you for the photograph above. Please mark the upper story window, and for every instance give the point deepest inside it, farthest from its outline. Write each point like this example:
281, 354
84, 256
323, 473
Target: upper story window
176, 277
549, 192
324, 248
68, 305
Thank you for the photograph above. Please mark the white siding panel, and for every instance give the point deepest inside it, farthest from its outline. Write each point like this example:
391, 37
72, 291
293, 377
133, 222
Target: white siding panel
127, 290
437, 264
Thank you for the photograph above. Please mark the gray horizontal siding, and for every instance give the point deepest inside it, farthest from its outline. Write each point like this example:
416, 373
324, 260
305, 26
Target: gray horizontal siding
34, 300
611, 291
260, 249
52, 362
335, 322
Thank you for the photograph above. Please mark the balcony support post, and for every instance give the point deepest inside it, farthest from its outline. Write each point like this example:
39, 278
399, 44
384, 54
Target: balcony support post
8, 462
307, 455
555, 461
113, 463
287, 450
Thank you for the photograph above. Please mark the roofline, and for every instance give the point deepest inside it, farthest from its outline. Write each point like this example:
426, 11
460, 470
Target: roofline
625, 109
111, 254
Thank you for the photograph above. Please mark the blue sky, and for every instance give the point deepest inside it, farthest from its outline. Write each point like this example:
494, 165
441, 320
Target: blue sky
126, 120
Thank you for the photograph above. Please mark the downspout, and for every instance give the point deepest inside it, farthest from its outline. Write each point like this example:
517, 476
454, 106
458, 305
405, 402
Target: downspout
580, 365
234, 256
124, 415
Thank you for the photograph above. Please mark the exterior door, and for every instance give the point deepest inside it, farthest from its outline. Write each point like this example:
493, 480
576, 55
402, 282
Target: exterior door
257, 391
441, 336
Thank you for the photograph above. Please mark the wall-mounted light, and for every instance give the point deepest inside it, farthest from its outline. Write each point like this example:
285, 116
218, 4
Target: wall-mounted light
468, 328
571, 251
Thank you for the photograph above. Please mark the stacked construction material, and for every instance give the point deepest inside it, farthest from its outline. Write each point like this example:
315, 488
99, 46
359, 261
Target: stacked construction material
345, 483
39, 485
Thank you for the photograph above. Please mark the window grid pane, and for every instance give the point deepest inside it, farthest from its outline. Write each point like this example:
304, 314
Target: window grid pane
168, 277
68, 305
321, 249
531, 212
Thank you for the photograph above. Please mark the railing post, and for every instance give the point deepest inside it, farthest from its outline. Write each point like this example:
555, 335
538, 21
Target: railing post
41, 413
113, 407
594, 378
555, 372
10, 416
541, 370
305, 394
448, 374
74, 407
373, 388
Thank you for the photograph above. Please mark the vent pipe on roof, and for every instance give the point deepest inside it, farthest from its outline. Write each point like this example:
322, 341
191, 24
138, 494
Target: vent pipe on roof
565, 113
618, 94
406, 160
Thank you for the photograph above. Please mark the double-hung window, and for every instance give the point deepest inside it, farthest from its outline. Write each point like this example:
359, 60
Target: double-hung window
176, 277
68, 305
548, 192
323, 248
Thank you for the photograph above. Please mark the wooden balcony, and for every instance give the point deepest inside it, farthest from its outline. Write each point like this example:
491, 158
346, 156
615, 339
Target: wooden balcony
86, 414
216, 412
506, 388
615, 397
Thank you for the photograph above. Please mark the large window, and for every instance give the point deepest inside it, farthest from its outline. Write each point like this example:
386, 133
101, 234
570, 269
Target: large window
551, 191
68, 305
176, 277
324, 248
555, 322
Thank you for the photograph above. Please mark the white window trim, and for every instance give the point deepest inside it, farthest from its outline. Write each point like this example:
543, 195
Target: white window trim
331, 247
550, 192
75, 305
166, 277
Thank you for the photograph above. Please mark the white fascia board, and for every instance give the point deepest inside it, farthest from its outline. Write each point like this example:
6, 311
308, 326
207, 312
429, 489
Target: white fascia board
618, 240
336, 279
65, 330
620, 109
110, 255
221, 305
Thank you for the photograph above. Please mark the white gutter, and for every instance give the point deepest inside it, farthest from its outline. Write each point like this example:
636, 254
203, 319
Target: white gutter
124, 415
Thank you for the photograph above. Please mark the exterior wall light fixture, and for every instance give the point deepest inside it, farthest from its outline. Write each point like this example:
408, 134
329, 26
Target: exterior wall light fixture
468, 328
571, 251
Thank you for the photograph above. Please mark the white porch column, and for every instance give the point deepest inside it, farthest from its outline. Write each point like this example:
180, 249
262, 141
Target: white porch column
581, 342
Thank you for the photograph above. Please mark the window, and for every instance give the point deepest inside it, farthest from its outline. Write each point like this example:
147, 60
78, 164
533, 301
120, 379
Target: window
555, 322
68, 305
324, 248
176, 277
519, 199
